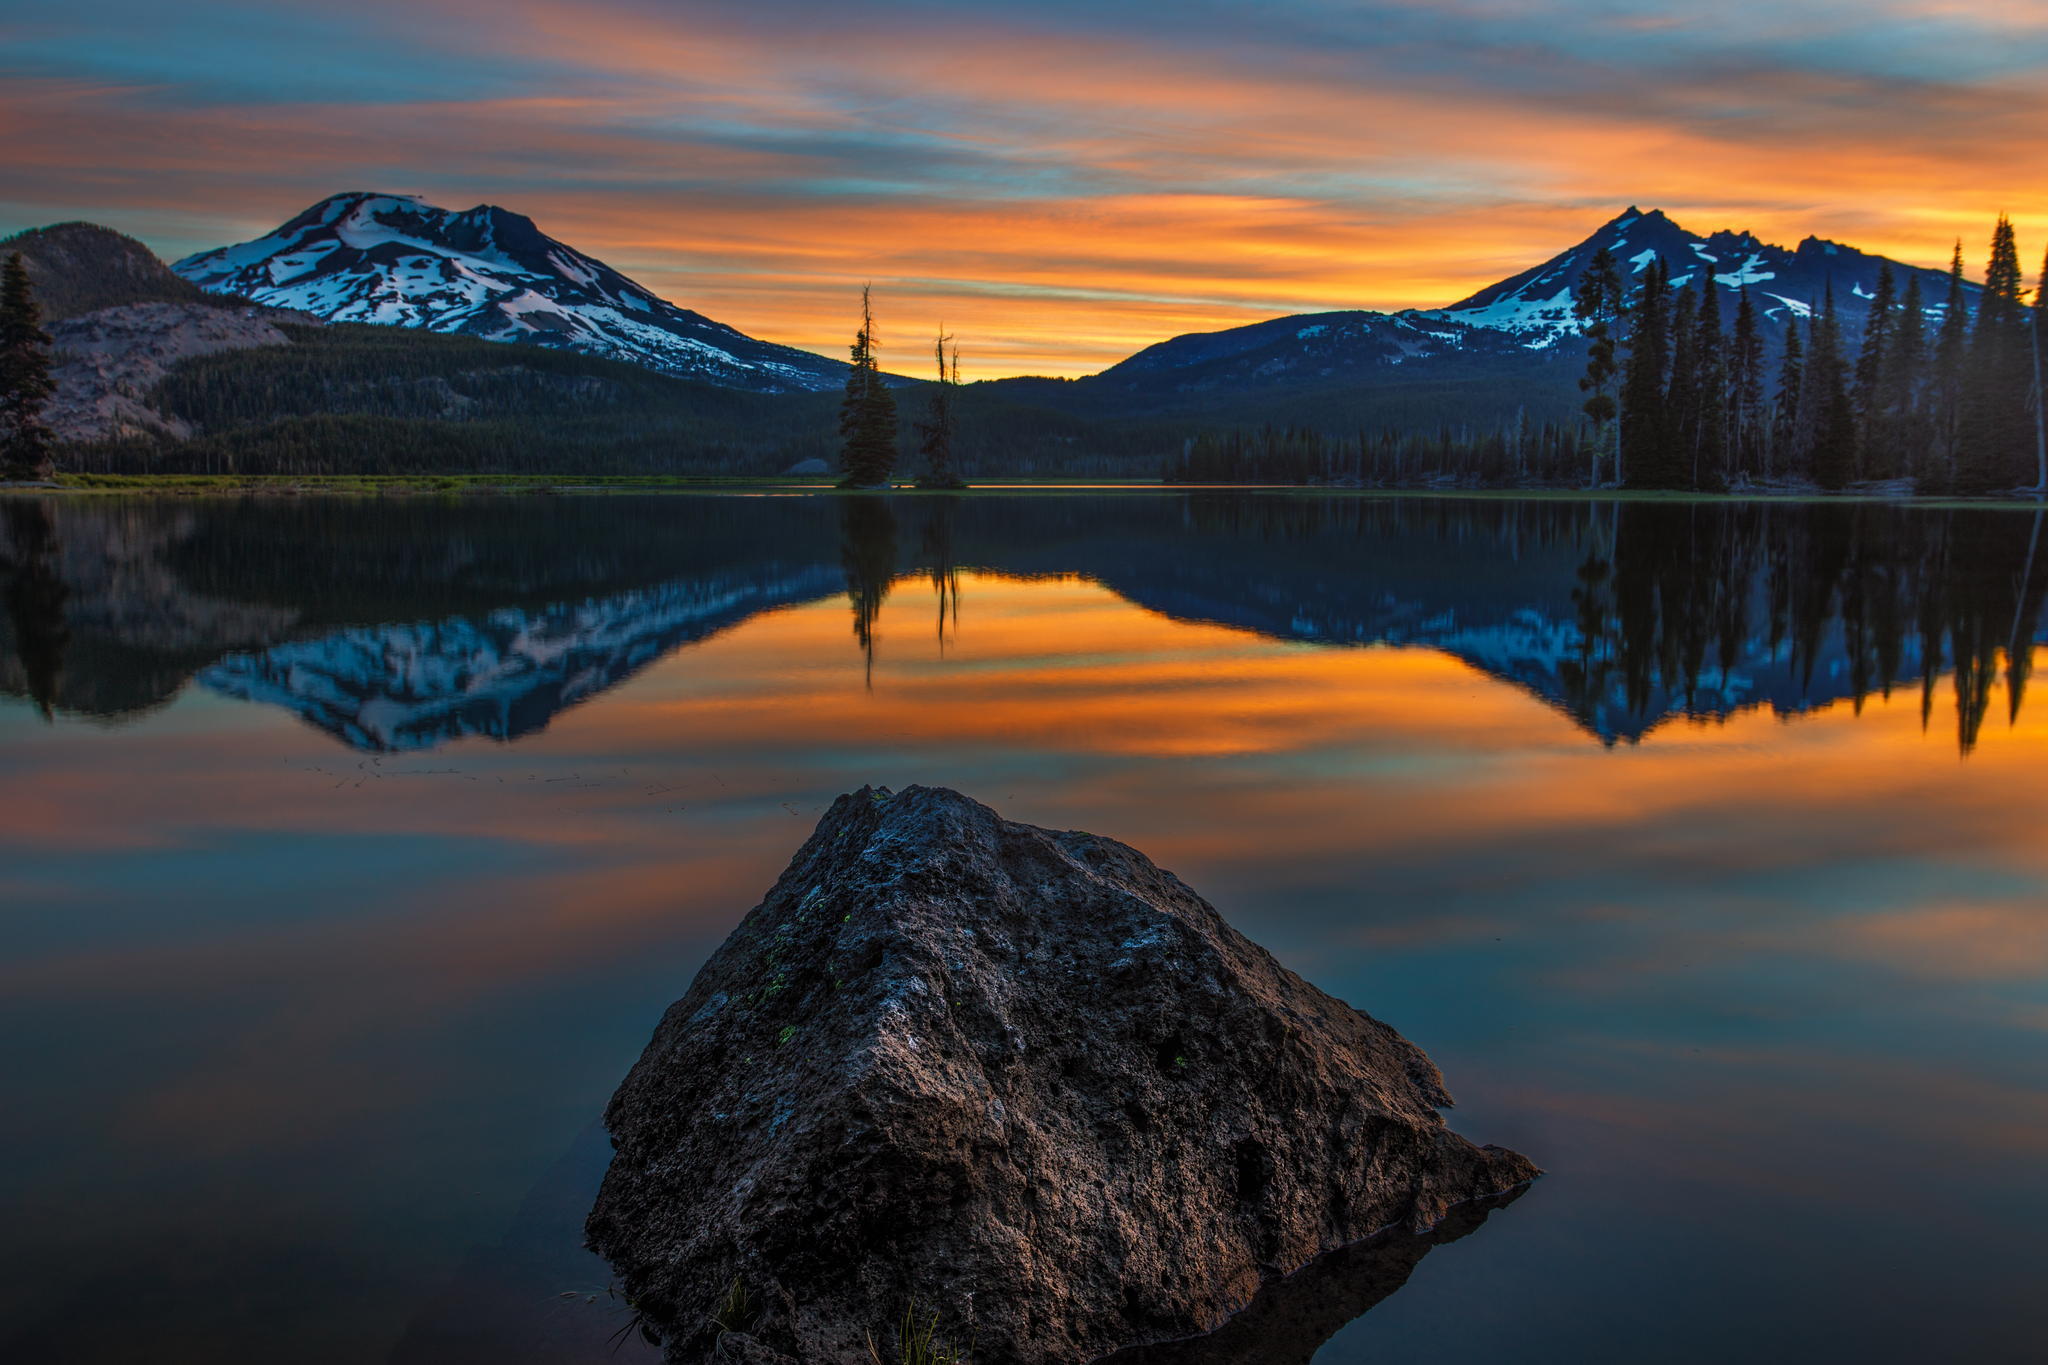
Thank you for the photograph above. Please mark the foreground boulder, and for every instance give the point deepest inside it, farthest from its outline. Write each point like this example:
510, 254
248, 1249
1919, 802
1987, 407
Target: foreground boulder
1019, 1080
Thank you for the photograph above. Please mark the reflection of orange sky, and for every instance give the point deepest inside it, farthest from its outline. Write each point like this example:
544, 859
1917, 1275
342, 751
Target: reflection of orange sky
1058, 198
660, 811
1204, 745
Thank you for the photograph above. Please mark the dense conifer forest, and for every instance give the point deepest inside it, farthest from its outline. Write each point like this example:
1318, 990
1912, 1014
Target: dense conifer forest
1924, 395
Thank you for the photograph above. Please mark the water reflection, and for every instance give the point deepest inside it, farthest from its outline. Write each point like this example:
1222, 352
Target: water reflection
400, 628
1290, 1319
867, 549
35, 594
306, 1019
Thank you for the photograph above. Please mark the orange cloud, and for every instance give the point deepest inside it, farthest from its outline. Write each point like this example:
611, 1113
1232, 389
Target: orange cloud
1063, 193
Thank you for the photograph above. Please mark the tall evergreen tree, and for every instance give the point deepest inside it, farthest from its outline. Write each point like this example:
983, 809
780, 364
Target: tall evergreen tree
935, 432
2038, 345
1710, 437
1833, 455
1599, 306
1871, 451
1746, 388
867, 414
1903, 430
1993, 431
1791, 397
27, 447
1645, 457
1682, 392
1945, 383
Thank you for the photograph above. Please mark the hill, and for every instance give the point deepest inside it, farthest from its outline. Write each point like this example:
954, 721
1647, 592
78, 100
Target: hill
80, 268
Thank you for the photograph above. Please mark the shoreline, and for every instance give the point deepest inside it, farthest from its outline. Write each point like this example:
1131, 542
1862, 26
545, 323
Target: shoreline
528, 485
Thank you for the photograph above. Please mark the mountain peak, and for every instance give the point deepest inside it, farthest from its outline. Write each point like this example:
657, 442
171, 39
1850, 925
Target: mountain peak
1537, 303
396, 259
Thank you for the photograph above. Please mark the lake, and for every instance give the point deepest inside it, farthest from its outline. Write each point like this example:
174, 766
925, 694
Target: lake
351, 849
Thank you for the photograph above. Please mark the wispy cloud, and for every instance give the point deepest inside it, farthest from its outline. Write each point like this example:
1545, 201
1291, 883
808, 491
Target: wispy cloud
1062, 182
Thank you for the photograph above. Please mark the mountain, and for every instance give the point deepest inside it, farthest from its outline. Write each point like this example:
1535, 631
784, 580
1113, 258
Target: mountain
1784, 283
1506, 348
154, 374
79, 268
399, 261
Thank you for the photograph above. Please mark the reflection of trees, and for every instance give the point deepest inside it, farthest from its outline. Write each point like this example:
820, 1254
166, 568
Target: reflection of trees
935, 552
35, 595
1878, 594
867, 550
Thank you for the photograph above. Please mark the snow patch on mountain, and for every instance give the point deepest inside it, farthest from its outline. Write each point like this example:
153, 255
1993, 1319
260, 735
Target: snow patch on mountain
1536, 304
397, 261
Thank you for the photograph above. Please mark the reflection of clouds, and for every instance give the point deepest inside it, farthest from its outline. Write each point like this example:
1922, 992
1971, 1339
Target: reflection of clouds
1339, 799
1741, 972
1969, 942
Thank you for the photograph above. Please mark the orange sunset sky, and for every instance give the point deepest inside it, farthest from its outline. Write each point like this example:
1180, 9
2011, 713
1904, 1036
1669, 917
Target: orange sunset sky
1060, 183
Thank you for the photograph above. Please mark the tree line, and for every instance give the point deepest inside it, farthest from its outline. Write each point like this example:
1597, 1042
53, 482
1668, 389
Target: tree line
1930, 392
1546, 453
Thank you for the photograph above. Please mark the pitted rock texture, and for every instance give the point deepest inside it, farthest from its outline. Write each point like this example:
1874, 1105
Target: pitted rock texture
1022, 1078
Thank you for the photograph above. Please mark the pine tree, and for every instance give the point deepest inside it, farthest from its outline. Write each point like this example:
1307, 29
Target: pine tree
1992, 431
1872, 454
1710, 444
1682, 392
867, 414
1834, 435
935, 432
1746, 388
1903, 427
1600, 306
1645, 426
27, 446
1791, 397
1945, 385
2038, 345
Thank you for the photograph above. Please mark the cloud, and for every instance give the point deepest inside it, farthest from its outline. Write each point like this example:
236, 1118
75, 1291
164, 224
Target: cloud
1062, 183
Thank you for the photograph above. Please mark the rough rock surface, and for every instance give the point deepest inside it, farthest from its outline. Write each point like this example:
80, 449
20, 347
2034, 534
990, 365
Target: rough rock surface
1023, 1078
108, 361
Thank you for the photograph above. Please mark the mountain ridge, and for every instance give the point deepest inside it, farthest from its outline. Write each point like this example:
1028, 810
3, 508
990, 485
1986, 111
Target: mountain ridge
487, 272
1511, 330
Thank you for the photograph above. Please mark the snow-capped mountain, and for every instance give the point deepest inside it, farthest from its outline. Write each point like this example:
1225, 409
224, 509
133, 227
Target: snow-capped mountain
490, 273
1505, 337
1783, 283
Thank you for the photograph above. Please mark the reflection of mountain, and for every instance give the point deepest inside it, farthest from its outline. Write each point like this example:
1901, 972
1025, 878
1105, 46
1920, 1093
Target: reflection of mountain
403, 626
504, 674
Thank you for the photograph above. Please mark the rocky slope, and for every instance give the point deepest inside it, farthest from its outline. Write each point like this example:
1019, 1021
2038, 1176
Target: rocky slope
1022, 1077
109, 362
490, 273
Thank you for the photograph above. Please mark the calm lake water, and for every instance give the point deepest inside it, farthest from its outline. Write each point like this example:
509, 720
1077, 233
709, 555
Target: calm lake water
349, 852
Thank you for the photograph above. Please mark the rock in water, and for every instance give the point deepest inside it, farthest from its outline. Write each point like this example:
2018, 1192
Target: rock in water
1022, 1079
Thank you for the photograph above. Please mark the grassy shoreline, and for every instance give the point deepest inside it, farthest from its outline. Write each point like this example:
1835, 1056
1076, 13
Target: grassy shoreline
502, 485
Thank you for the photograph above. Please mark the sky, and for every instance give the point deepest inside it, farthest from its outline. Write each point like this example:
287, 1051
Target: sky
1058, 183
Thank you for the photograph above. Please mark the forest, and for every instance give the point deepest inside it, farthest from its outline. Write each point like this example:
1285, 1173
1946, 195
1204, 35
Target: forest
1921, 395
